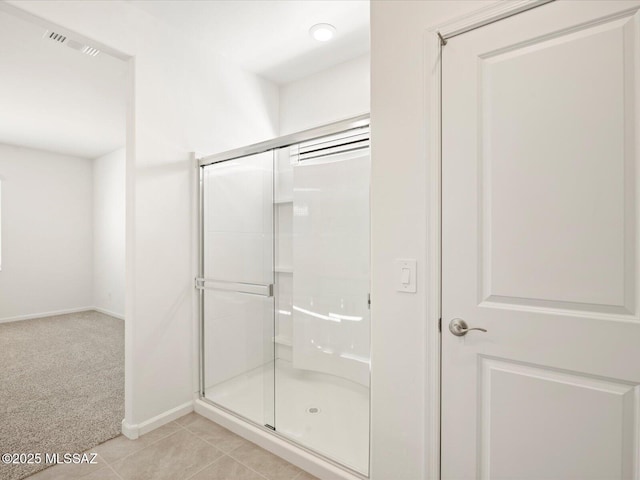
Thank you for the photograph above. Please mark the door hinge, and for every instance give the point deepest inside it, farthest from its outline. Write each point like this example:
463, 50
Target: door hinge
440, 324
369, 301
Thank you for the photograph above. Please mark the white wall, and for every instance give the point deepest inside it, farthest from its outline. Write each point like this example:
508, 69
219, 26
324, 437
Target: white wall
47, 244
334, 94
109, 232
63, 225
185, 99
400, 210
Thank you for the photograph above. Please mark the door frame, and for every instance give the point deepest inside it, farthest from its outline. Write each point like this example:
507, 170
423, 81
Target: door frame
435, 39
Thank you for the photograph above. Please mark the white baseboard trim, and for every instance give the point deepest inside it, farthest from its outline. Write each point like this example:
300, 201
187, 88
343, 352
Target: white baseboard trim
45, 314
31, 316
134, 431
109, 312
300, 457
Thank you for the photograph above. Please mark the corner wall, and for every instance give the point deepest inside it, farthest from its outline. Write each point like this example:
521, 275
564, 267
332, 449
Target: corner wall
47, 233
109, 233
333, 94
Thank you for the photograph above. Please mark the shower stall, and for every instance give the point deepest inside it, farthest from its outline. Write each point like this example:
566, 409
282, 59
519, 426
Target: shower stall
284, 288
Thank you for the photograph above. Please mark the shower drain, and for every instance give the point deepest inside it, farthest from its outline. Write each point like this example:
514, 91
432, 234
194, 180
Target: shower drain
313, 410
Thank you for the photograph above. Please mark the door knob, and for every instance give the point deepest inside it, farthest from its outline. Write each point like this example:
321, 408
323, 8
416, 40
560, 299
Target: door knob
459, 327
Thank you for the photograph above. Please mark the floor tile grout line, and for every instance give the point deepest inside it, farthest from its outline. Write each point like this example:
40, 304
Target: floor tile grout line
216, 446
106, 465
153, 443
207, 466
244, 440
228, 454
240, 446
300, 473
114, 471
179, 424
211, 443
190, 431
224, 454
143, 448
249, 467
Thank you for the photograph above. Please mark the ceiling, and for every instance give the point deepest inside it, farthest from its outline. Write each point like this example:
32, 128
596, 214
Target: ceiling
56, 98
271, 37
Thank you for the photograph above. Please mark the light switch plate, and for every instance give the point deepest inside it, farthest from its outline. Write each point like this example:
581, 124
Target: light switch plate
405, 273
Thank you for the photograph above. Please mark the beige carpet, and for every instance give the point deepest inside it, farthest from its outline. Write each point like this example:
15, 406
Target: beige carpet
61, 385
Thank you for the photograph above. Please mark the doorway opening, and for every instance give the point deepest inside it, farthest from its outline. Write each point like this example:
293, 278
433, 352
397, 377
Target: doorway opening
62, 228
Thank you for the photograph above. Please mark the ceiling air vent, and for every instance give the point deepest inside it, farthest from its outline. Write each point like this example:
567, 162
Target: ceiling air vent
56, 37
71, 43
90, 51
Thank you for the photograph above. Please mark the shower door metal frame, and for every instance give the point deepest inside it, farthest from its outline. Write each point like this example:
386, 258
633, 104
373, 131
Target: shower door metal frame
343, 126
200, 284
287, 140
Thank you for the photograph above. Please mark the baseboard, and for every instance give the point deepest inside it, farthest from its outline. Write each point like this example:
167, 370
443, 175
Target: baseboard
134, 431
131, 432
31, 316
45, 314
109, 312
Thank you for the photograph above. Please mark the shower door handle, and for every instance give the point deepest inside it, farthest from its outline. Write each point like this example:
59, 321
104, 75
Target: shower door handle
238, 287
459, 327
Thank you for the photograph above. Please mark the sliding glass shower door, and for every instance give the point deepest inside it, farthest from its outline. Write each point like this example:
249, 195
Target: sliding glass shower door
284, 291
237, 286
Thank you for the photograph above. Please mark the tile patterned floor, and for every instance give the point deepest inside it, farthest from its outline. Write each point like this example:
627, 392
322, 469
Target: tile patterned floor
191, 448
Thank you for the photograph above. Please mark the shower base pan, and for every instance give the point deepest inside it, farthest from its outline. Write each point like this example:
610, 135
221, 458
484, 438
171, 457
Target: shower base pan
324, 413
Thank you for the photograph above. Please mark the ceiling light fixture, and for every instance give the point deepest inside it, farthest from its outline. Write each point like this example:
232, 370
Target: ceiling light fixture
322, 32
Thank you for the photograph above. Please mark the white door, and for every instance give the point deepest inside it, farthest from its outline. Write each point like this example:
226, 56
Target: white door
541, 143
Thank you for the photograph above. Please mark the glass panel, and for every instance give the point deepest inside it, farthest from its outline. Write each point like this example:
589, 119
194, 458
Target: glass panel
239, 272
323, 343
298, 361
